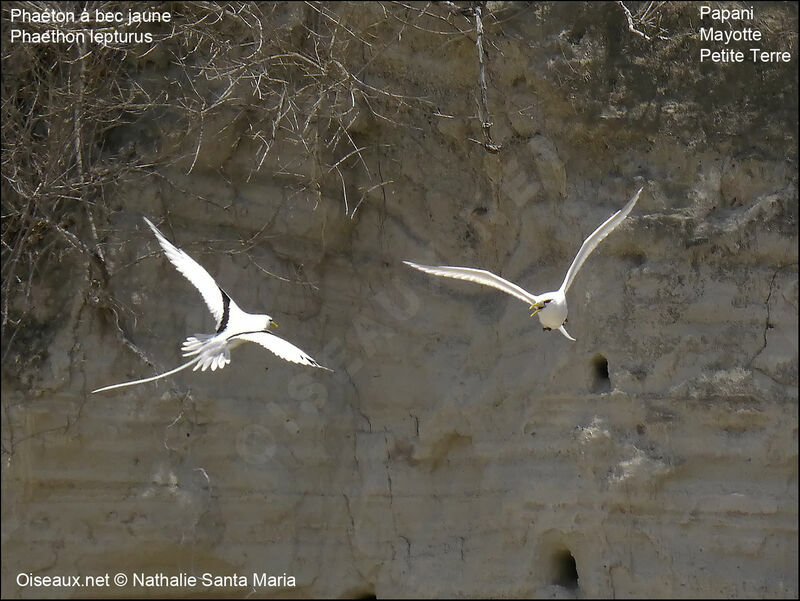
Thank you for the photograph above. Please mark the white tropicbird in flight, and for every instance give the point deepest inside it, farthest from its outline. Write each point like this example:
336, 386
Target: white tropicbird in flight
234, 326
550, 306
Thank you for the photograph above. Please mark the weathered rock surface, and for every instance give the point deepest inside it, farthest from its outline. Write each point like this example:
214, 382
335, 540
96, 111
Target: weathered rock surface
457, 450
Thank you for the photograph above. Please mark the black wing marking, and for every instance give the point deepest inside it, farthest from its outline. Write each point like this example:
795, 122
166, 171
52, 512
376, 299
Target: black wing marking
226, 311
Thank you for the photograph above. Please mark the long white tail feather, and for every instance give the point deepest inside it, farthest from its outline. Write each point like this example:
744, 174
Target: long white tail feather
164, 375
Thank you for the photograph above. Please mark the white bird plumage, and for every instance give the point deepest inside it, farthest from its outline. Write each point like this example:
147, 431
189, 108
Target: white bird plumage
551, 307
234, 326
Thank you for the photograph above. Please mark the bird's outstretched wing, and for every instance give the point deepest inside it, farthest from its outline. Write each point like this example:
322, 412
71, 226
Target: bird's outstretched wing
597, 236
217, 301
479, 276
279, 346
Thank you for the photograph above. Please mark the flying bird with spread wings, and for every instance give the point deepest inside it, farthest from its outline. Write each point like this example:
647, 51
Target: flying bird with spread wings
551, 307
234, 326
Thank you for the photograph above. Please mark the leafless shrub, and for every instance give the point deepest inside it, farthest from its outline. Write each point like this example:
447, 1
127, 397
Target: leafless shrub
647, 17
292, 73
60, 103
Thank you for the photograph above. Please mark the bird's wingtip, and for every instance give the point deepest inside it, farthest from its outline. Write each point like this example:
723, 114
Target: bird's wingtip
152, 226
313, 363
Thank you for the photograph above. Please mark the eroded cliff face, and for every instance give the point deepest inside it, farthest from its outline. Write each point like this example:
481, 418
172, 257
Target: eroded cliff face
457, 449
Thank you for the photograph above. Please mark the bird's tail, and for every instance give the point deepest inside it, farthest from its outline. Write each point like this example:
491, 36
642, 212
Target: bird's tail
194, 344
210, 350
169, 373
563, 330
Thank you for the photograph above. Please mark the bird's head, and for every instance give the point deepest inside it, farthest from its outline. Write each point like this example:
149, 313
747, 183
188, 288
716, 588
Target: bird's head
540, 305
268, 321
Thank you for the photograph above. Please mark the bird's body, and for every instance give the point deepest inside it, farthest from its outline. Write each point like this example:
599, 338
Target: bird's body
551, 307
234, 326
554, 313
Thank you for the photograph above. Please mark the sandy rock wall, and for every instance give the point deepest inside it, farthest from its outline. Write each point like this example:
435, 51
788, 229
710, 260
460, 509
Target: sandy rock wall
457, 449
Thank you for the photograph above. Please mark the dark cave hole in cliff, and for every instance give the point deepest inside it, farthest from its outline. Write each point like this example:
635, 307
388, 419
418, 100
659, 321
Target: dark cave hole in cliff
600, 380
636, 259
566, 570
